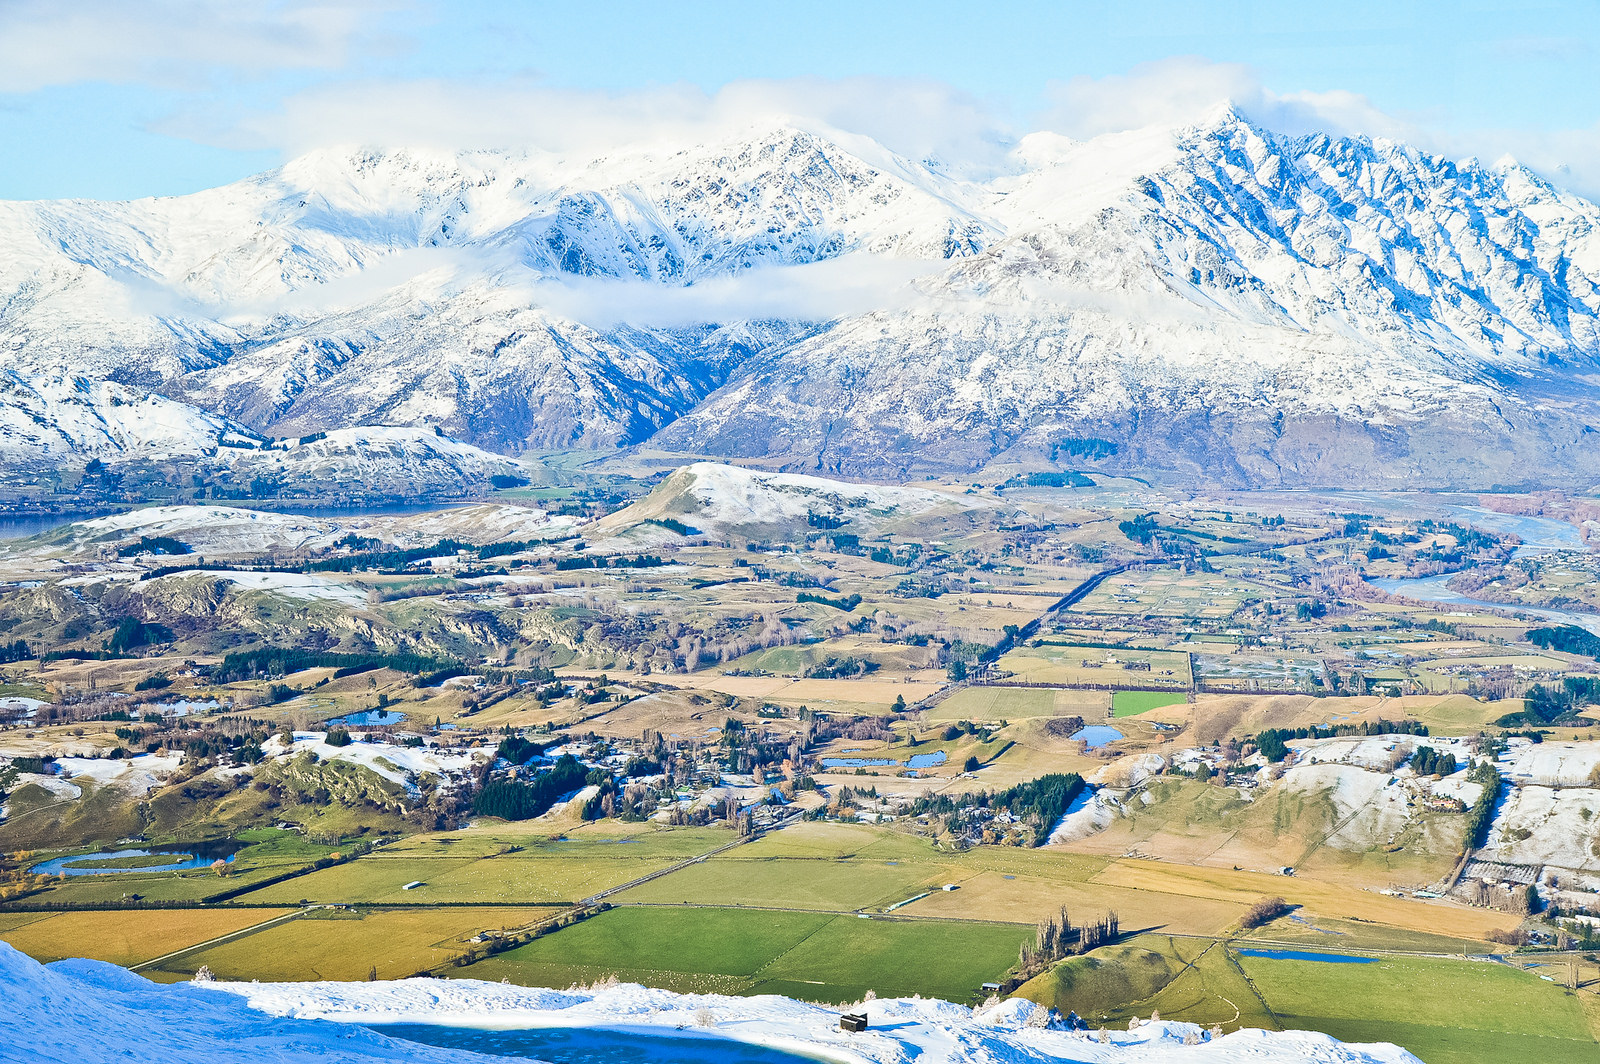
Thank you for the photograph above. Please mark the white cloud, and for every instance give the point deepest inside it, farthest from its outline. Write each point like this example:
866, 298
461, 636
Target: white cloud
1183, 89
181, 43
918, 119
818, 291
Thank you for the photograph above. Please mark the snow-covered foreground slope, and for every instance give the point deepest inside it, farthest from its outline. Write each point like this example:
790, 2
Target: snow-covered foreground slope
91, 1012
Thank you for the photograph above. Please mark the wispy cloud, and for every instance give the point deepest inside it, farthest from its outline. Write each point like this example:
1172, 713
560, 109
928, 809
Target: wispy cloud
922, 120
177, 43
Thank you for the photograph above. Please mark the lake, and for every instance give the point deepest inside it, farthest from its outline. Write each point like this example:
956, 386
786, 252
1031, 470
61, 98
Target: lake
185, 856
589, 1045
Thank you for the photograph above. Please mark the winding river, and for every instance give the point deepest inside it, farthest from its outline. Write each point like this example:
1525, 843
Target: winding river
1539, 535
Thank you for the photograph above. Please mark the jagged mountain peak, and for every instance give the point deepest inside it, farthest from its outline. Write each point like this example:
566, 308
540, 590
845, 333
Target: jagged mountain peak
1211, 274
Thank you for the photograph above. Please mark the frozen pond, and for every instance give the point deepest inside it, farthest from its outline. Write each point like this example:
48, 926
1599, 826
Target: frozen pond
183, 707
1097, 735
588, 1045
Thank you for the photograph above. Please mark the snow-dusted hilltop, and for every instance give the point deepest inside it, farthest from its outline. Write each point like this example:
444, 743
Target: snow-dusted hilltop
1217, 301
91, 1012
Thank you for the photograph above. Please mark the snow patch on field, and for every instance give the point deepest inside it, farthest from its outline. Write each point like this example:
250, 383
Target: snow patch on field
1552, 763
138, 776
293, 585
1559, 833
394, 763
1090, 812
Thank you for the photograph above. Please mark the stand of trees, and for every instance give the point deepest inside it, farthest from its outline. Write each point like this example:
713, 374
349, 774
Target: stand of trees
281, 661
1567, 638
519, 800
1273, 742
1482, 812
1264, 911
1057, 939
1546, 705
1429, 762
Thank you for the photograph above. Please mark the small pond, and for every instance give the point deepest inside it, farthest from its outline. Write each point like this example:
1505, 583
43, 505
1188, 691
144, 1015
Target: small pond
1303, 955
184, 857
587, 1045
370, 718
1097, 735
915, 761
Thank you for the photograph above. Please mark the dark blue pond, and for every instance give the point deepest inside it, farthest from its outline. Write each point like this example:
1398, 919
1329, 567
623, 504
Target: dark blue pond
1301, 955
587, 1045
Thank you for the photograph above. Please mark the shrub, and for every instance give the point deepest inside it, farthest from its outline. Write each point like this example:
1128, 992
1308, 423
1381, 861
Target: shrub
1264, 911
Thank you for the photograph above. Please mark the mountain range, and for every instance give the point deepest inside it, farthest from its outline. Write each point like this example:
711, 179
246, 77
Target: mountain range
1213, 303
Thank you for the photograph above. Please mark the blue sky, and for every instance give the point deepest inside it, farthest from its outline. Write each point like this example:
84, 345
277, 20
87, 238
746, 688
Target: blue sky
109, 98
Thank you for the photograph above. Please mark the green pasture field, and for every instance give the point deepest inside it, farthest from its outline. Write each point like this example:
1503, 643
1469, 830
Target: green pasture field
396, 942
814, 956
511, 879
1019, 703
830, 885
1132, 703
1051, 663
603, 839
122, 937
1444, 1011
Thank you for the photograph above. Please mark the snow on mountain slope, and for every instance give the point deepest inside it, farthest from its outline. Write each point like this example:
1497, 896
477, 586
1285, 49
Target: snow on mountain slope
51, 421
1218, 302
97, 1013
45, 420
358, 286
388, 460
1222, 301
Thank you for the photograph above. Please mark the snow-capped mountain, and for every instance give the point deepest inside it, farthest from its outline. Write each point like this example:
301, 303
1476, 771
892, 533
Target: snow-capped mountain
1216, 301
412, 288
1221, 301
